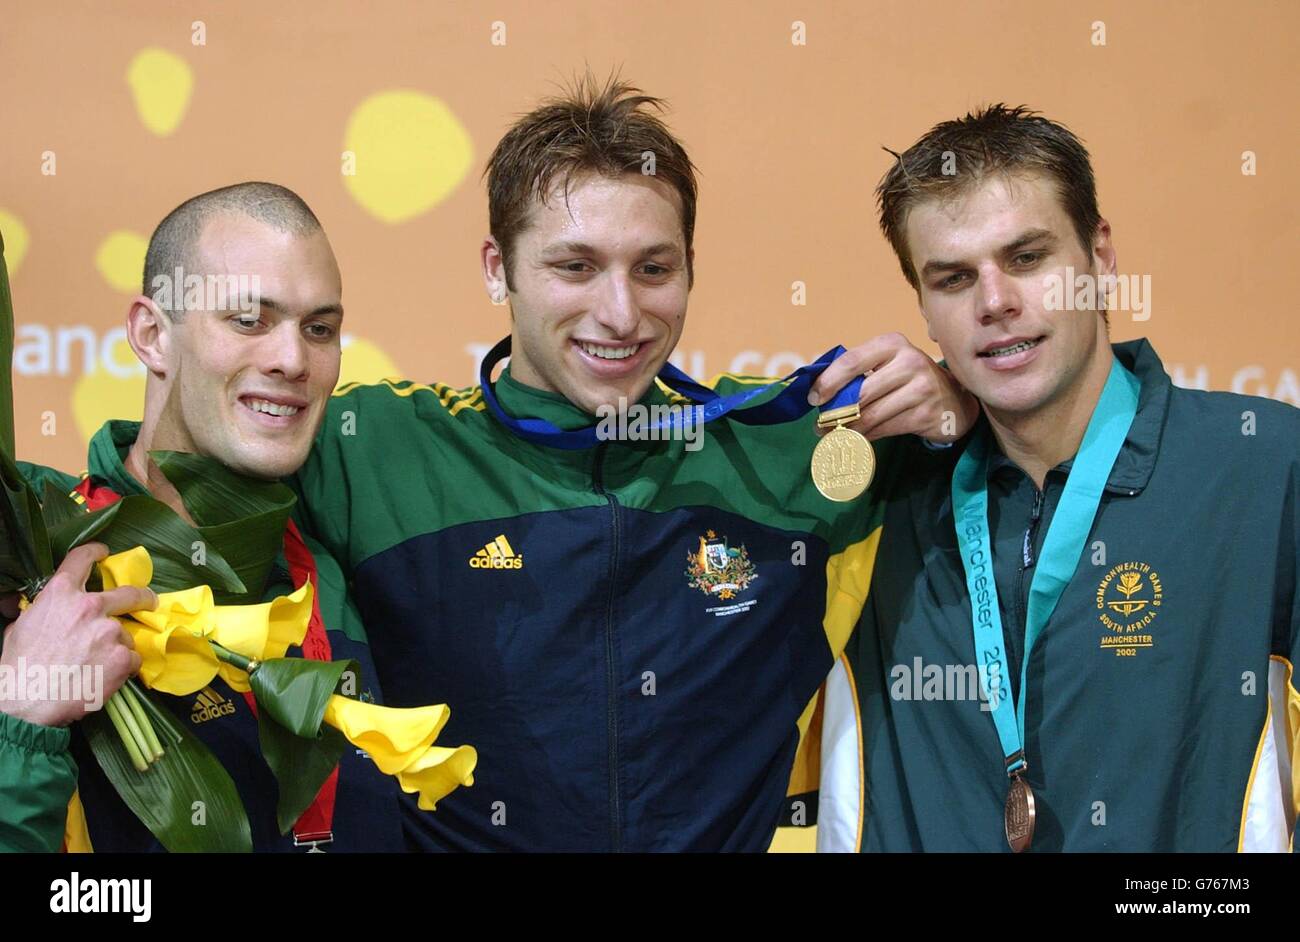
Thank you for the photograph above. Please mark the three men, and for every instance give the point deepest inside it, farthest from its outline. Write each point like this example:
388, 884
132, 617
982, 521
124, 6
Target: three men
1113, 558
633, 631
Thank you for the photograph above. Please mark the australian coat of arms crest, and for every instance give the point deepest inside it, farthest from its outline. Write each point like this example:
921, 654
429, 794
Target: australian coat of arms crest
718, 569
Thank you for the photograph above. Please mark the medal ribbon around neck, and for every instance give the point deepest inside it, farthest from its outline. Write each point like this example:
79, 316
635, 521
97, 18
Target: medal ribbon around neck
1062, 548
790, 404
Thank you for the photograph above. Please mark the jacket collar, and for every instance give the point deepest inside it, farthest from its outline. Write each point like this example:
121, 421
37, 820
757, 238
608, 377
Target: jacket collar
1137, 458
521, 401
106, 461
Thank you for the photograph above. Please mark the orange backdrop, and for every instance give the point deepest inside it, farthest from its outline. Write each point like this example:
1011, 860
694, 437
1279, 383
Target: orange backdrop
381, 115
114, 114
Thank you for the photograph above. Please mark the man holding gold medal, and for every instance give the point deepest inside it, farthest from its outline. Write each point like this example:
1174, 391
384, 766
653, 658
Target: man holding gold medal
632, 630
1083, 636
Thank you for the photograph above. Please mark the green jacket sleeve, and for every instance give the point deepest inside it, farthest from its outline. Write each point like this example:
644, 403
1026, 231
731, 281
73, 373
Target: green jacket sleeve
38, 474
37, 772
37, 779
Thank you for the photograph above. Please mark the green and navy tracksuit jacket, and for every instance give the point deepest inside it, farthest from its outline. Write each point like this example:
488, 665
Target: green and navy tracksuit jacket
633, 635
41, 767
1162, 706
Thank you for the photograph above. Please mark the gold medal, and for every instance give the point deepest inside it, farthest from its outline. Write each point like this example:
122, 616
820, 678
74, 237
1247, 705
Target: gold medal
1018, 816
843, 463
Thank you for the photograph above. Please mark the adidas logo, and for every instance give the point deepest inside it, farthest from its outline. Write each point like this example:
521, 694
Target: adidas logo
497, 555
209, 705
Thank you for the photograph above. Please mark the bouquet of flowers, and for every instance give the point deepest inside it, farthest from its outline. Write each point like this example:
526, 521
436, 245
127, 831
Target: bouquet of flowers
211, 620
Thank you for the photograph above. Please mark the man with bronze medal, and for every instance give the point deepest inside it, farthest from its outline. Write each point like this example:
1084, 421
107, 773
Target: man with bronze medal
1082, 623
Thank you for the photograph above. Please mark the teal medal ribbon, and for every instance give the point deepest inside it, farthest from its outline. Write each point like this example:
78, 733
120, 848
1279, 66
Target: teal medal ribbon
1062, 548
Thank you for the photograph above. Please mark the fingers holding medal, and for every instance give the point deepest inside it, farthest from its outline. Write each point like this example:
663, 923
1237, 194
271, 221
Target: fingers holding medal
905, 393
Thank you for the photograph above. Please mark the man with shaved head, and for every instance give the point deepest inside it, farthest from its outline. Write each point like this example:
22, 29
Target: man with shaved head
236, 389
241, 376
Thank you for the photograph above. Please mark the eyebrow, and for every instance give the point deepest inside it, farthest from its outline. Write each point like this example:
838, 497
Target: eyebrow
663, 248
1029, 237
1033, 235
575, 248
283, 310
583, 248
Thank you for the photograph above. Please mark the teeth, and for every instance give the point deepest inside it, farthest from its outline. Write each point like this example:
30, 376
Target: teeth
1014, 348
609, 353
270, 408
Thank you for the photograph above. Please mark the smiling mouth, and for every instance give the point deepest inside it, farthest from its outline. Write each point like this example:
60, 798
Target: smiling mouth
608, 353
266, 407
1020, 347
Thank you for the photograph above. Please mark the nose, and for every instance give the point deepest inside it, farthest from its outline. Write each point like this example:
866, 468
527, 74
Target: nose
285, 352
999, 295
618, 310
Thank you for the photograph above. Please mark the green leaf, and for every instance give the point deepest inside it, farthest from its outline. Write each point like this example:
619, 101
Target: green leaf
163, 796
243, 518
291, 696
294, 691
24, 546
214, 494
58, 507
143, 521
250, 549
18, 565
300, 765
6, 357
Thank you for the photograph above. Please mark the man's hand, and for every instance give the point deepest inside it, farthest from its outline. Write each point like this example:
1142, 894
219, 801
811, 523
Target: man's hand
907, 393
69, 628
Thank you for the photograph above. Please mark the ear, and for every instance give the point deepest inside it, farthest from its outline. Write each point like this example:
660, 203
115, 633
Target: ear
1104, 258
149, 332
494, 270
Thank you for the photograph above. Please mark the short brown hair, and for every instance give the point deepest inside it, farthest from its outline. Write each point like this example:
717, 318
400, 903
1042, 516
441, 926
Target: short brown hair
606, 129
955, 155
172, 244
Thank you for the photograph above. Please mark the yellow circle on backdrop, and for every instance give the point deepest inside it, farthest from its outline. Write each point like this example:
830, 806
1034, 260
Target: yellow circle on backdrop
15, 240
364, 362
408, 152
99, 396
160, 83
120, 260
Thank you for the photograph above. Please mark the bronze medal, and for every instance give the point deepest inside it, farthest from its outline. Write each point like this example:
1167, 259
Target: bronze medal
843, 463
1018, 815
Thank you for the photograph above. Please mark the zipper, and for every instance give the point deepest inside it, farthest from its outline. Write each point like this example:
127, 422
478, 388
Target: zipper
1027, 550
1027, 560
611, 680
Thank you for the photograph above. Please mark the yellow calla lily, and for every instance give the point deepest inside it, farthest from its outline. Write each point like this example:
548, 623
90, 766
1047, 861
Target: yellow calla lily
261, 631
175, 642
172, 640
400, 742
438, 773
132, 567
392, 736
